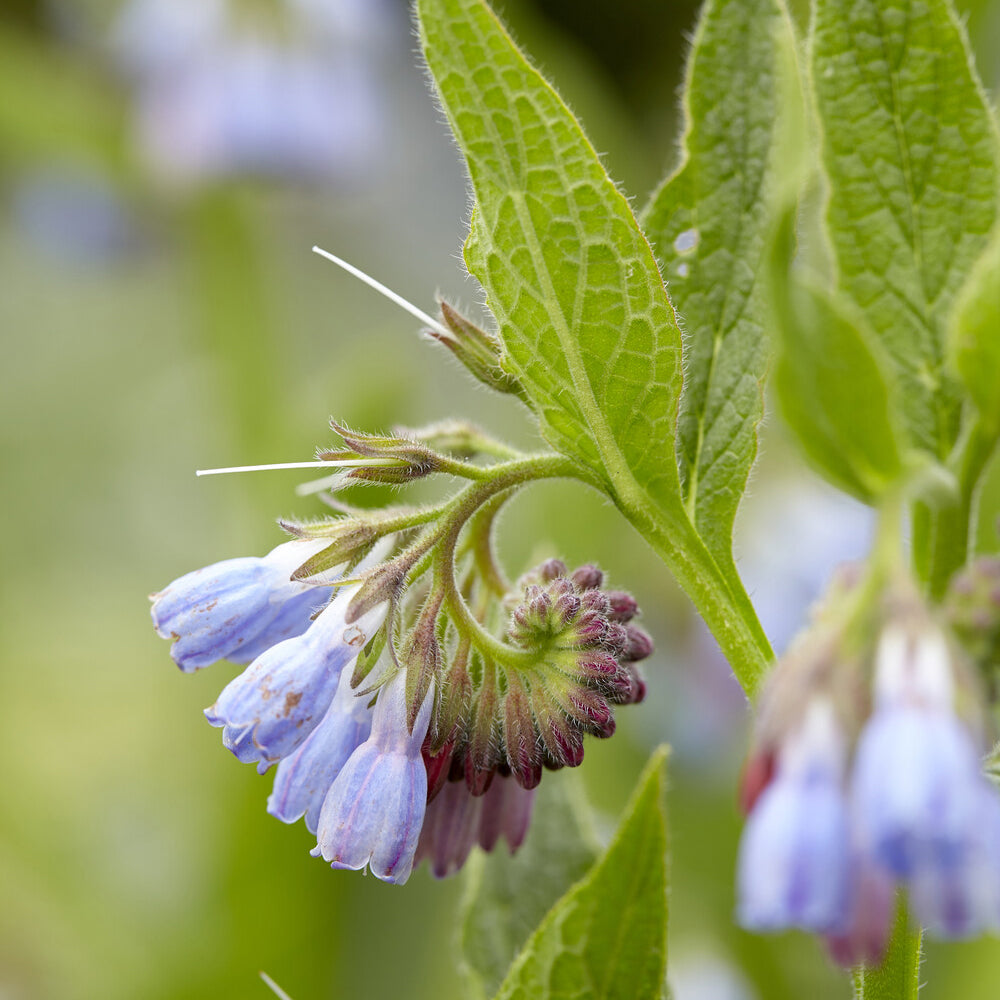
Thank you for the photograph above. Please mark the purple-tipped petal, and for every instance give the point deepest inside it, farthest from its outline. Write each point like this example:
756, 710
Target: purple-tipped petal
222, 610
304, 778
375, 808
270, 709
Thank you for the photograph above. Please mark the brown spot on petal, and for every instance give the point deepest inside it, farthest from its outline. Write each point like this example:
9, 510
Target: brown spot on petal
291, 700
354, 636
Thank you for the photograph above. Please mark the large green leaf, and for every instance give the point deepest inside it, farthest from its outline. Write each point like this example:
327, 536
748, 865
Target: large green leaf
607, 937
583, 314
909, 154
708, 224
506, 896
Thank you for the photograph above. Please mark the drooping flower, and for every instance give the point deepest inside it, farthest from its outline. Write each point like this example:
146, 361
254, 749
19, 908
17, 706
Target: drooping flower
919, 812
794, 865
304, 777
916, 780
269, 710
374, 810
234, 610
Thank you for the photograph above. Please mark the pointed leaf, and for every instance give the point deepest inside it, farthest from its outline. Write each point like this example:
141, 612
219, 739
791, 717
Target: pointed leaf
587, 327
507, 895
607, 937
909, 153
898, 977
708, 224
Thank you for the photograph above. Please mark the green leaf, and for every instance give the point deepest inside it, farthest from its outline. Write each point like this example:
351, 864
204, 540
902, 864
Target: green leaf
909, 154
830, 385
607, 937
708, 224
584, 318
583, 314
506, 895
974, 335
898, 977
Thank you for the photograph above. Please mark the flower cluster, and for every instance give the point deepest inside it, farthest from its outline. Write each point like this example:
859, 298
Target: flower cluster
576, 650
831, 833
397, 735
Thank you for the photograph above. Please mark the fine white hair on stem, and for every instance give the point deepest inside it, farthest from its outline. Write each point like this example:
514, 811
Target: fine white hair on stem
387, 292
338, 463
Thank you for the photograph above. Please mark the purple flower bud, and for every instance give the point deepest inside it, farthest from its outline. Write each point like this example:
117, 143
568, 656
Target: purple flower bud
450, 830
587, 577
623, 606
375, 808
552, 569
506, 811
304, 778
270, 709
638, 645
794, 862
237, 608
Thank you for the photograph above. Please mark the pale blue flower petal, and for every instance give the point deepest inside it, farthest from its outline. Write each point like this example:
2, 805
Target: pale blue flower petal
270, 709
304, 778
375, 808
236, 607
794, 862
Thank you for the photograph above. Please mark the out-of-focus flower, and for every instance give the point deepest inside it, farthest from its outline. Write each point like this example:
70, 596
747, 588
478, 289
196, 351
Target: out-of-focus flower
921, 814
236, 609
220, 92
795, 853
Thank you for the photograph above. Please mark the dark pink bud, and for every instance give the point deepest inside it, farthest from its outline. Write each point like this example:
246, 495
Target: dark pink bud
565, 609
523, 752
590, 628
551, 569
596, 600
587, 577
638, 644
594, 664
623, 606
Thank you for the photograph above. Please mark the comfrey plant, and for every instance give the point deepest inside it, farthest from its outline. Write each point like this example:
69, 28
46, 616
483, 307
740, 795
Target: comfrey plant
835, 209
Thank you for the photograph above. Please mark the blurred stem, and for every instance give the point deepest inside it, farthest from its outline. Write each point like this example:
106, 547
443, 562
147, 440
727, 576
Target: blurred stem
229, 290
898, 977
941, 535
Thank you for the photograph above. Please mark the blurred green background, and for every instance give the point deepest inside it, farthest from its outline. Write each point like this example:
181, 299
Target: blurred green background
161, 312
